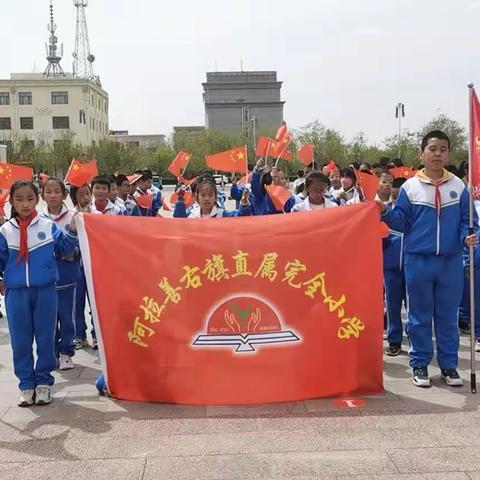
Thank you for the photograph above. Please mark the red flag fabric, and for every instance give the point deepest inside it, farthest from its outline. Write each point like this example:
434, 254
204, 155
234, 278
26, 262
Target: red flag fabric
3, 201
234, 160
133, 178
273, 148
81, 173
43, 177
144, 201
179, 163
278, 195
244, 180
282, 134
475, 141
305, 154
185, 181
402, 172
10, 173
368, 183
191, 323
331, 166
188, 198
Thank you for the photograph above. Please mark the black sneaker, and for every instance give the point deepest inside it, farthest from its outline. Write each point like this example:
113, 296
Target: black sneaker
393, 350
420, 377
451, 377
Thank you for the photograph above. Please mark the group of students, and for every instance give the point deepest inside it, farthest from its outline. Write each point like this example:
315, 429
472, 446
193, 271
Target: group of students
428, 216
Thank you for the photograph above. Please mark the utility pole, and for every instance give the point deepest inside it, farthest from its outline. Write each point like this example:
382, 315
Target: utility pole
399, 115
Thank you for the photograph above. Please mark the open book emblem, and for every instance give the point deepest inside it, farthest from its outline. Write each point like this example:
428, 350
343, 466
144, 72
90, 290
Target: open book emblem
244, 324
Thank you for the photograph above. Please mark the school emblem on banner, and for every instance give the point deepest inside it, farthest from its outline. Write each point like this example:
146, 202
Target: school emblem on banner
244, 323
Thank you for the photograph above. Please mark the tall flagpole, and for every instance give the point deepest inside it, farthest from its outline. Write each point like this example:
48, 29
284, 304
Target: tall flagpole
473, 376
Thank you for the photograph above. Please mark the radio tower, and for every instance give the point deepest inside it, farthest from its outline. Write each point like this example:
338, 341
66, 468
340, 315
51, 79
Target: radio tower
82, 57
53, 68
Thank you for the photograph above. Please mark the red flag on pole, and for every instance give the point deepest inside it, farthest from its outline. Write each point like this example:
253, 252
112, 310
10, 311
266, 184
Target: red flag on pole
402, 172
81, 173
10, 173
305, 154
179, 163
475, 141
282, 133
233, 160
273, 148
278, 195
368, 183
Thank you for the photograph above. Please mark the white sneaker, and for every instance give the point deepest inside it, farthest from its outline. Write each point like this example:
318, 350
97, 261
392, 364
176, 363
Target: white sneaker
65, 362
43, 395
79, 343
477, 345
26, 398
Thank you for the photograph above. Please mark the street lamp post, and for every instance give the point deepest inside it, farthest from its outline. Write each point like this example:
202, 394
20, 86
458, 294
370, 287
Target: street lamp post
399, 115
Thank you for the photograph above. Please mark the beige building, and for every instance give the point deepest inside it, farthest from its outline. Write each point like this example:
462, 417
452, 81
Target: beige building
36, 109
142, 141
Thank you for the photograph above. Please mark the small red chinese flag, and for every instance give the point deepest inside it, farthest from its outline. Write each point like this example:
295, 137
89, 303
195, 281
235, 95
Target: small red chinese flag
475, 140
282, 134
305, 154
81, 173
234, 160
278, 195
3, 201
43, 177
179, 163
331, 166
144, 201
368, 183
187, 198
402, 172
183, 180
273, 148
10, 173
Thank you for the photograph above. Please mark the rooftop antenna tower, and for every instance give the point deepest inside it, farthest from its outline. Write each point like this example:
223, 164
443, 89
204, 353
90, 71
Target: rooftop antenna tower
82, 57
53, 57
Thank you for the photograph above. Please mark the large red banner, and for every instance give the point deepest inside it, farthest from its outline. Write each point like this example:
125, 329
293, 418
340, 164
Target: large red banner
237, 310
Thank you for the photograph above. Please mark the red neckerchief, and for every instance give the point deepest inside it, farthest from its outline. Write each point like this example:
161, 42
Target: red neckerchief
100, 209
23, 224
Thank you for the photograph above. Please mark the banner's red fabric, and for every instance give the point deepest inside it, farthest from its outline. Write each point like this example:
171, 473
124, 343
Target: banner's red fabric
237, 310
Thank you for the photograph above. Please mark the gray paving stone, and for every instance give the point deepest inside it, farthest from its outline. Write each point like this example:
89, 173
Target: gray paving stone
115, 469
419, 476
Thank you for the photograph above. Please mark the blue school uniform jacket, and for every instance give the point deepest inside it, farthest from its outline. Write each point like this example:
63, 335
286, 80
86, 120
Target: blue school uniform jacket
68, 267
45, 242
261, 202
433, 218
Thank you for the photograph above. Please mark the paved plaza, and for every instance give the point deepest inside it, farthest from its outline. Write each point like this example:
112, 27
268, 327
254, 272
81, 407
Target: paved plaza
405, 433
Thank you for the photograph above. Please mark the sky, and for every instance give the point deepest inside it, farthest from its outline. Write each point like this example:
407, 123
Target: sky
346, 63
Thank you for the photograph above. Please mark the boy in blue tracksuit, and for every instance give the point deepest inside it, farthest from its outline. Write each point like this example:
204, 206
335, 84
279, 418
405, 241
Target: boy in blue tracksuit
432, 211
54, 193
260, 201
144, 187
394, 279
28, 247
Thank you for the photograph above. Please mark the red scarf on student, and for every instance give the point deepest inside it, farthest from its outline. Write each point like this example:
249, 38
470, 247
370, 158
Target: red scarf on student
24, 223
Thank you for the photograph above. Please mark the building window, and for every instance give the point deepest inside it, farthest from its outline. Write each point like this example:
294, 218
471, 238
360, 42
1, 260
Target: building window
25, 98
59, 98
26, 123
105, 107
92, 100
61, 122
245, 114
5, 123
83, 117
4, 98
27, 145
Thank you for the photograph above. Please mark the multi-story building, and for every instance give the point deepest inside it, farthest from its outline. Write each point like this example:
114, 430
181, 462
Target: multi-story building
234, 101
35, 109
142, 141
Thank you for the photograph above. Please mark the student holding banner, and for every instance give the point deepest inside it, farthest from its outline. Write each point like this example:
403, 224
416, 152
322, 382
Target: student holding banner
433, 212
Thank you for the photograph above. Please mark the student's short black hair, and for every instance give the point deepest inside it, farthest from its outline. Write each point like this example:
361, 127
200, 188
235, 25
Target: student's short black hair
120, 178
316, 177
20, 184
398, 162
206, 180
383, 162
349, 173
300, 188
398, 182
54, 180
300, 173
463, 169
356, 165
74, 190
102, 180
435, 134
145, 175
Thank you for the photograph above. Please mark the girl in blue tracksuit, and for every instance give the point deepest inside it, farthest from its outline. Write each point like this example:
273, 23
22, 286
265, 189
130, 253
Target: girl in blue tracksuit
261, 202
28, 246
54, 194
432, 211
206, 197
